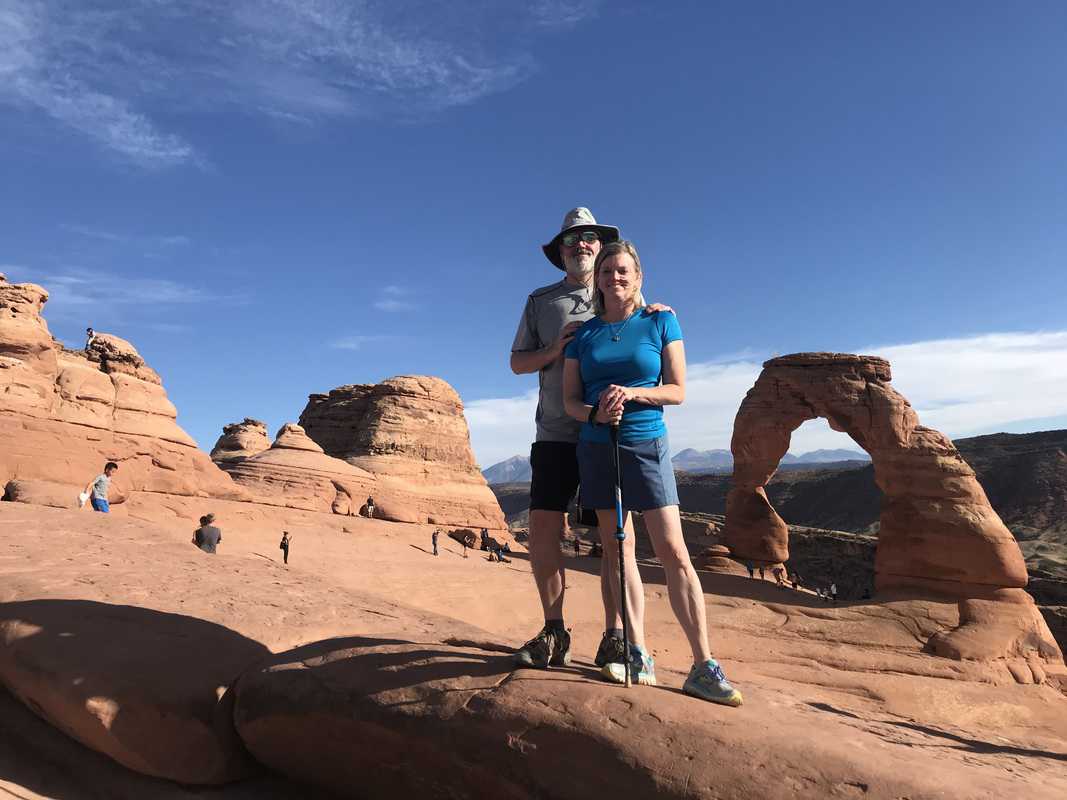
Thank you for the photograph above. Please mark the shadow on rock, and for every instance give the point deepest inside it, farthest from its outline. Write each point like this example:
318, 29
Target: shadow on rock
147, 688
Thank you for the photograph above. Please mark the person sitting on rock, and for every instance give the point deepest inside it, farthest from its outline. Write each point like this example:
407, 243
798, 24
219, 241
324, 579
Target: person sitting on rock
90, 337
207, 537
99, 487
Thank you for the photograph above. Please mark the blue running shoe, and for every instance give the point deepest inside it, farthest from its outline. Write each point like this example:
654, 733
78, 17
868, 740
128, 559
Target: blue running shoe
642, 669
708, 682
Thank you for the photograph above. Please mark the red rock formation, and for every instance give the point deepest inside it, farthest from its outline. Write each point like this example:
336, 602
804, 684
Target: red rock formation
937, 532
410, 432
296, 473
64, 413
241, 440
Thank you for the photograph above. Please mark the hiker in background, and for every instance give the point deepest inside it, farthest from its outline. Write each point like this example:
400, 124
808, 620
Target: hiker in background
370, 508
833, 593
777, 572
577, 547
436, 533
761, 575
207, 537
463, 542
90, 337
751, 569
795, 580
549, 320
621, 368
485, 539
99, 487
285, 546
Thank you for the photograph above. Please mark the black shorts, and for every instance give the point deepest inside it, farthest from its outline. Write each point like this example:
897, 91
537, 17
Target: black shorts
555, 475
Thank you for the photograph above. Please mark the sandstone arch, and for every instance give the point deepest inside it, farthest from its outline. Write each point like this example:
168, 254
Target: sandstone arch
938, 532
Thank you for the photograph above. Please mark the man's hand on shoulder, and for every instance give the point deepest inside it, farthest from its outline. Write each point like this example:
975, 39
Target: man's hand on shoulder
654, 307
565, 336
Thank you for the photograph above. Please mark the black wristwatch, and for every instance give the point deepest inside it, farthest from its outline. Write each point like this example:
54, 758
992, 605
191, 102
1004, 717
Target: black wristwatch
592, 413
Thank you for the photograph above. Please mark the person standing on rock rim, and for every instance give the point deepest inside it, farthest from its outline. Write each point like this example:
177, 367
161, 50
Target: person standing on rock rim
552, 315
433, 539
207, 537
621, 368
284, 545
99, 487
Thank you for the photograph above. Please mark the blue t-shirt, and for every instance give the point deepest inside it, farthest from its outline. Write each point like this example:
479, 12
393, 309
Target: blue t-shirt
635, 360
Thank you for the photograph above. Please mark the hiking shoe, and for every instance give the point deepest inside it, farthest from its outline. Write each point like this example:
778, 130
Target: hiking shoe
610, 651
642, 669
547, 647
708, 682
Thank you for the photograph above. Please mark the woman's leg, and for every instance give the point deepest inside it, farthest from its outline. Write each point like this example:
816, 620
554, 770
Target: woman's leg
635, 591
683, 586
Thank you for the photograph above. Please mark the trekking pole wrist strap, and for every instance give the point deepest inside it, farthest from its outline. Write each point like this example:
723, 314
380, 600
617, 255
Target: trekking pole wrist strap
592, 413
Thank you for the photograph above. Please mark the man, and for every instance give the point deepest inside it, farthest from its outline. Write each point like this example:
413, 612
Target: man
99, 487
207, 536
552, 316
436, 533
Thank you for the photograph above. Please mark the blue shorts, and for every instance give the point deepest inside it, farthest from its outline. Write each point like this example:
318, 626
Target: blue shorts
647, 475
100, 504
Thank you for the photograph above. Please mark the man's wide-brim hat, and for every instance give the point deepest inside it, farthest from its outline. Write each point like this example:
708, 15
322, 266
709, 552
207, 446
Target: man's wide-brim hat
578, 219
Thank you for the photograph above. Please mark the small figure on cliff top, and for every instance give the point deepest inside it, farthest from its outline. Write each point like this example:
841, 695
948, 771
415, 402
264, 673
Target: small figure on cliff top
207, 537
284, 545
97, 490
90, 337
436, 533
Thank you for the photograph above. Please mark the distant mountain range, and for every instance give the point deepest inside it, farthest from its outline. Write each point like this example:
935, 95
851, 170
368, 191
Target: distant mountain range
514, 470
718, 461
517, 468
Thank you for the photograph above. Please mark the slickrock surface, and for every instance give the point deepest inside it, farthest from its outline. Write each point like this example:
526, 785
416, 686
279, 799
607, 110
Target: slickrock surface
410, 432
937, 530
840, 701
294, 472
241, 440
63, 414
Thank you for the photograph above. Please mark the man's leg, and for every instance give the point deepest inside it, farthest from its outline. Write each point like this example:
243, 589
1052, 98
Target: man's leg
546, 560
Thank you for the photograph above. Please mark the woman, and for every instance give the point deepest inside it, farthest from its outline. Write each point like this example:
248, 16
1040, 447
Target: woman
621, 368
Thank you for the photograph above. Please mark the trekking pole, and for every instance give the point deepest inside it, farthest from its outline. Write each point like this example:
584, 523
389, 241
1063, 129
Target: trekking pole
620, 536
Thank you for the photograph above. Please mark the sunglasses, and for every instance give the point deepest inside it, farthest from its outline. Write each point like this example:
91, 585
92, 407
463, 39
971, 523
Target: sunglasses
571, 239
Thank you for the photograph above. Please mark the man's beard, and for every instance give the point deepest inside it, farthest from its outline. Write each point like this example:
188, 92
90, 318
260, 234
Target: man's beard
578, 267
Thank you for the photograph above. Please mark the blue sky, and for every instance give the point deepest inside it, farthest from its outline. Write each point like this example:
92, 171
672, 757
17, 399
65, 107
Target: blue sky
274, 198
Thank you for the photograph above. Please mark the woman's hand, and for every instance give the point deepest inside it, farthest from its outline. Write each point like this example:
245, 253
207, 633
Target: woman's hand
612, 401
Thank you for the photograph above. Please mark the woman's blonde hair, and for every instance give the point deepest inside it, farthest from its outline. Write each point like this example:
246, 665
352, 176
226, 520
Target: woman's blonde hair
623, 247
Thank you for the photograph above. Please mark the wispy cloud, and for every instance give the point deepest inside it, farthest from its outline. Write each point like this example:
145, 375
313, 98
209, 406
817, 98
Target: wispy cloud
357, 341
113, 70
78, 291
394, 299
962, 387
126, 238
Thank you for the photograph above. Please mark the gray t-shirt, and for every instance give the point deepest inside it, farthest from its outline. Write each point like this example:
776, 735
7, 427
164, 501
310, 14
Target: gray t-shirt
100, 487
208, 537
547, 311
